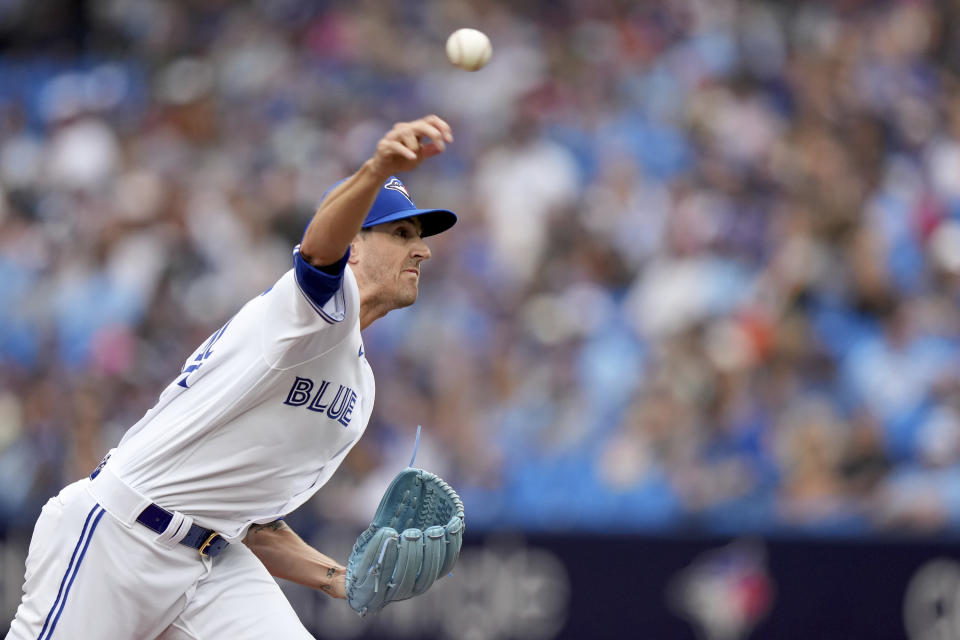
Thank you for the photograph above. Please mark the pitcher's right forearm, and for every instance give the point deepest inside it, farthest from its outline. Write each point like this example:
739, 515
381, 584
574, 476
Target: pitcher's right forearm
340, 216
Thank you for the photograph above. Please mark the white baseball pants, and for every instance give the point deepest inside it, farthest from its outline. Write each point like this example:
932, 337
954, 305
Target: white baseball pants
93, 572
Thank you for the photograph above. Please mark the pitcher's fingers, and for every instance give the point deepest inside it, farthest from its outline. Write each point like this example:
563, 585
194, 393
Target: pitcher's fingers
431, 149
424, 129
441, 125
407, 135
395, 147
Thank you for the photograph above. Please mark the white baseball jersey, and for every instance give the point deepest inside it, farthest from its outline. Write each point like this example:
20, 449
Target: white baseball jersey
258, 419
263, 413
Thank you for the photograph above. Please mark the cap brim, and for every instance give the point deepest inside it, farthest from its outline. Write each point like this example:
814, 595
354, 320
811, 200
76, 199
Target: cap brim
434, 221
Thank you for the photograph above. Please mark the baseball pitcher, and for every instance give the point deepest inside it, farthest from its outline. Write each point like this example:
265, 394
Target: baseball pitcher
179, 532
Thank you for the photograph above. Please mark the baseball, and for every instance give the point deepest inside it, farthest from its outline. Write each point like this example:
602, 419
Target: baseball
469, 49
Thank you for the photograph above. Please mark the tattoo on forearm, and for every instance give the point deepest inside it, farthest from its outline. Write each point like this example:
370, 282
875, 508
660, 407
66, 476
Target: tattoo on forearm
331, 572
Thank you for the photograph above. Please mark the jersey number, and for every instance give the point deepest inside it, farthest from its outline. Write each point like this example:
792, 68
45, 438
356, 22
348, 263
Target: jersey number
205, 352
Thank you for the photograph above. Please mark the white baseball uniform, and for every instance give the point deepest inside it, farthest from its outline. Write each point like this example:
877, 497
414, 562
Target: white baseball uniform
260, 417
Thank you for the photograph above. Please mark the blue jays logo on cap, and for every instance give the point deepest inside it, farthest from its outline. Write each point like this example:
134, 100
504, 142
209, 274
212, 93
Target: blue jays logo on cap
396, 185
394, 203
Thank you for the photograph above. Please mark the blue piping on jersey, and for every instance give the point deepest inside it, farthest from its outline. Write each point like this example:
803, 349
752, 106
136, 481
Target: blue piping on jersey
319, 287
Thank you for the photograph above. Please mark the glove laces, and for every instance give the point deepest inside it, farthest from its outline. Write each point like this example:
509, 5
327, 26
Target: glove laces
416, 445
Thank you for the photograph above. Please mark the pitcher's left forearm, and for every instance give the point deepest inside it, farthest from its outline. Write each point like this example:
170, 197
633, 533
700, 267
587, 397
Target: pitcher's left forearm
287, 556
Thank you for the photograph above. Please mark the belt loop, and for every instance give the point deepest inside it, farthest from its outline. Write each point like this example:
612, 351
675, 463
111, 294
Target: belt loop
176, 531
118, 499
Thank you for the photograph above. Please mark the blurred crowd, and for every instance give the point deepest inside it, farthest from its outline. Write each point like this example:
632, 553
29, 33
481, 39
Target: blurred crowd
705, 279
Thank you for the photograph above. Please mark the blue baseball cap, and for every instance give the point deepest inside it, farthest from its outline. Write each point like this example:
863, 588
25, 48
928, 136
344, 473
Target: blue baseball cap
394, 203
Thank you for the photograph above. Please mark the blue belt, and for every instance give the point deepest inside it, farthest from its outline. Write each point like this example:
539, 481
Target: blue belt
207, 541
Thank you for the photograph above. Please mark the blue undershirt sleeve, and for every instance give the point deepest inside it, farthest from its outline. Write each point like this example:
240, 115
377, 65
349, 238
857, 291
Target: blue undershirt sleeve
317, 284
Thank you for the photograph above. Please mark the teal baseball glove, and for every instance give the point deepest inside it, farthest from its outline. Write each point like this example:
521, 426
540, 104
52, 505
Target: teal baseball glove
414, 539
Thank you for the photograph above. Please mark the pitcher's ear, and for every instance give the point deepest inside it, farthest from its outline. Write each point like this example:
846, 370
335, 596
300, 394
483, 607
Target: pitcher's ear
354, 250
